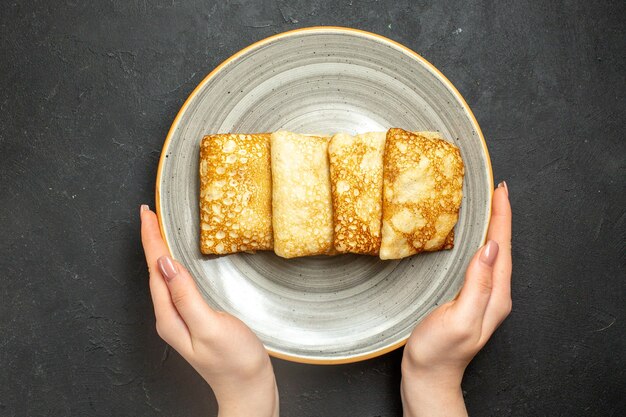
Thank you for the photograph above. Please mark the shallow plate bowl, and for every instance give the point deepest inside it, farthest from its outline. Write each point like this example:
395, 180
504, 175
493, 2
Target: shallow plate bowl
323, 80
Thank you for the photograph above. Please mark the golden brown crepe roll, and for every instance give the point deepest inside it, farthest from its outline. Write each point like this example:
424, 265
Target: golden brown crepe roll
356, 176
422, 191
235, 193
301, 205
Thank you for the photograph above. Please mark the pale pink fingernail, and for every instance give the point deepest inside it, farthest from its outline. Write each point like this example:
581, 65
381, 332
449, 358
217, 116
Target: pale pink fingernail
167, 267
490, 253
503, 185
143, 207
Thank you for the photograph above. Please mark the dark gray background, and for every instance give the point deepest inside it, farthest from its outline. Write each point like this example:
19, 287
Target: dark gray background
87, 94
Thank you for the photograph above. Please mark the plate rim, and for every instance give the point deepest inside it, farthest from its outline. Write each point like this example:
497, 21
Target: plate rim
320, 29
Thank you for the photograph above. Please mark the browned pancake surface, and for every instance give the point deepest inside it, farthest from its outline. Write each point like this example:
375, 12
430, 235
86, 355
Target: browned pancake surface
356, 176
302, 208
422, 192
235, 193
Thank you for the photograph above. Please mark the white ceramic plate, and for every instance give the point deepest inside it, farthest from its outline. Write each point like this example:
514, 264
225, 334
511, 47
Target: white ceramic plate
323, 80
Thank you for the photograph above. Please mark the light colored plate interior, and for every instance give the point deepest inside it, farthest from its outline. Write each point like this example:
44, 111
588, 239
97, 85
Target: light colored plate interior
323, 80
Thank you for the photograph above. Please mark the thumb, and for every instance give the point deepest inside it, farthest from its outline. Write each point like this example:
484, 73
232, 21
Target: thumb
474, 297
185, 295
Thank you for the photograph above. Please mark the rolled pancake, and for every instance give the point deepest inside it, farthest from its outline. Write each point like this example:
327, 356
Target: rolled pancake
235, 193
356, 176
423, 188
302, 210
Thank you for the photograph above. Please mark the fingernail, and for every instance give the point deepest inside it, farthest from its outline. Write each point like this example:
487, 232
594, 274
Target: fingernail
144, 207
167, 267
490, 253
503, 185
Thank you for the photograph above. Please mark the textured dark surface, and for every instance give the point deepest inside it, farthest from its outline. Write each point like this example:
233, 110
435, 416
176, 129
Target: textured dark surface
87, 93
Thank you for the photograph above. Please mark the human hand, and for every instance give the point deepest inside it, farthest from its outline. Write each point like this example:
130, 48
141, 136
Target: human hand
223, 350
442, 345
